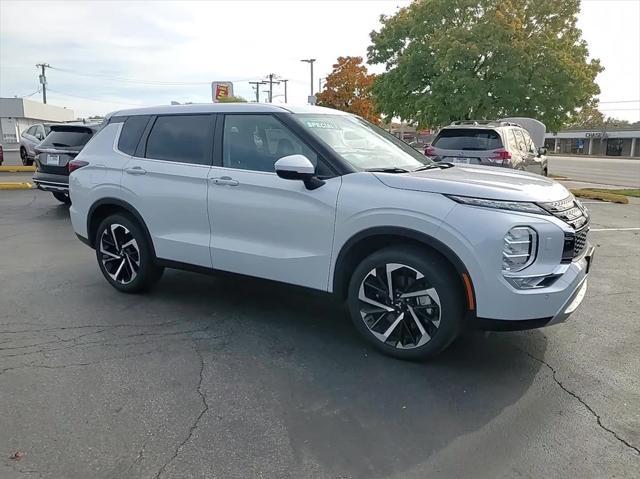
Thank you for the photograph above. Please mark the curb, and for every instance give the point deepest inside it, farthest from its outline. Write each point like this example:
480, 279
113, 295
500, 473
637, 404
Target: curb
15, 186
17, 168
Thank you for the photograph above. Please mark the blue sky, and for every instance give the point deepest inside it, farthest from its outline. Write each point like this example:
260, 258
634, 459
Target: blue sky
111, 55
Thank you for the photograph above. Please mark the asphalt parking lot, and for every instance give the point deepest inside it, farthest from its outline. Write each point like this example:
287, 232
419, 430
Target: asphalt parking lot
226, 377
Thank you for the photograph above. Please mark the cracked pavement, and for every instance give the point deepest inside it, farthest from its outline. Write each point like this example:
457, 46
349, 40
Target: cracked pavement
228, 377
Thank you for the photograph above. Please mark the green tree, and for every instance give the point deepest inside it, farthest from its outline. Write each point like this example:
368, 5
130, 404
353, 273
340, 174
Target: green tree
483, 59
232, 99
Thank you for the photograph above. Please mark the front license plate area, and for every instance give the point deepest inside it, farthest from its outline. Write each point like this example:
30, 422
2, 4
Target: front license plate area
53, 160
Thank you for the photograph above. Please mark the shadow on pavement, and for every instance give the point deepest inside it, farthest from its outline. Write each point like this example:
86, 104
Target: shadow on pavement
353, 410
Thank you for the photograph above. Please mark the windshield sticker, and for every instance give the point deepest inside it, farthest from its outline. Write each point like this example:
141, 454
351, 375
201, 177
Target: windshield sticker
325, 125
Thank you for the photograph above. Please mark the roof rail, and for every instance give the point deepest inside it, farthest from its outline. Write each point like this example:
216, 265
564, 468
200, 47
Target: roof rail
484, 122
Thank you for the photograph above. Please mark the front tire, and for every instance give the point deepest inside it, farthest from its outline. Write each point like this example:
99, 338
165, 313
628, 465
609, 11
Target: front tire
26, 161
62, 197
419, 315
124, 255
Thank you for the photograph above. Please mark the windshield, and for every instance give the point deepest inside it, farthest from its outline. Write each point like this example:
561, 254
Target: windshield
363, 145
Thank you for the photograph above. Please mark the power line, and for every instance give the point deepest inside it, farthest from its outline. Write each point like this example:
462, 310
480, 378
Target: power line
94, 99
138, 80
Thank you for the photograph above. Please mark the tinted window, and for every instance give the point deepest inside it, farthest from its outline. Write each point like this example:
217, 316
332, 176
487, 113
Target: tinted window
67, 137
468, 139
256, 142
182, 138
31, 131
131, 132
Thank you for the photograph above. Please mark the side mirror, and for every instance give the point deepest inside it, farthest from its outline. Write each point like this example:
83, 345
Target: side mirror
542, 151
298, 167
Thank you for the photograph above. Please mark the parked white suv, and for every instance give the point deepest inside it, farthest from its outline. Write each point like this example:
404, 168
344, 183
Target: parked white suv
320, 198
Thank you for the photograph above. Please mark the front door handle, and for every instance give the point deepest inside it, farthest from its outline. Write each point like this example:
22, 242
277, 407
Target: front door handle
136, 170
225, 180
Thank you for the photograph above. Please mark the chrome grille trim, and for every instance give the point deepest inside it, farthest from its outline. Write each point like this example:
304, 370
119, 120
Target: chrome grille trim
568, 210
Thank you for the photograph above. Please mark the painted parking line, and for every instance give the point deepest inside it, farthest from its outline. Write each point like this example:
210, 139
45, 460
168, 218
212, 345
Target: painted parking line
592, 230
13, 185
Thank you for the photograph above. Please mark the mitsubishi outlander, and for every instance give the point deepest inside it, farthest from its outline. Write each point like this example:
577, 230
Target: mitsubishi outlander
323, 199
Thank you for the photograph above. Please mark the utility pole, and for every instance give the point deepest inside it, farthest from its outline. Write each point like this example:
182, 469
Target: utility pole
320, 80
310, 62
43, 80
257, 87
285, 89
271, 81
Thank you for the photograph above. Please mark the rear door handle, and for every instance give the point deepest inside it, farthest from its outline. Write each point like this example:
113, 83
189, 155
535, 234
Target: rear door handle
225, 180
136, 170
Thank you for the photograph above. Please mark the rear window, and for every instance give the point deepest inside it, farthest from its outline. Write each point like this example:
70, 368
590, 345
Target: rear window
67, 137
468, 139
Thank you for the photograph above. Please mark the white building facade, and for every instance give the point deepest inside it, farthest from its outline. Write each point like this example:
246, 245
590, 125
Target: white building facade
18, 114
598, 142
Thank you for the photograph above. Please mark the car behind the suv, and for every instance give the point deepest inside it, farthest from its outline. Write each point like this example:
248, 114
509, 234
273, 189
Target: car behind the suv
319, 198
62, 144
29, 139
489, 143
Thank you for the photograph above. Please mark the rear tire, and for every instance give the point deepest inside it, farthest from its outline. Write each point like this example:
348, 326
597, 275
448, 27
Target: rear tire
404, 324
124, 255
62, 197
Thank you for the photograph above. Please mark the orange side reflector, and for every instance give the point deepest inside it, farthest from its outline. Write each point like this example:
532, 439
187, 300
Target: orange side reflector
469, 289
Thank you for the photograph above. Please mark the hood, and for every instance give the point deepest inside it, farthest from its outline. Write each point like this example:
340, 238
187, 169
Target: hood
480, 182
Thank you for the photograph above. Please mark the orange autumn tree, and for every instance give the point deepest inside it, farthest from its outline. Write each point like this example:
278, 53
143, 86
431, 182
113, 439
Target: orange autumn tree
348, 88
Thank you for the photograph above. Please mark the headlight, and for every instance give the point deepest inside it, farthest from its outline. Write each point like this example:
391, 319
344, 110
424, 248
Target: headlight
523, 206
519, 250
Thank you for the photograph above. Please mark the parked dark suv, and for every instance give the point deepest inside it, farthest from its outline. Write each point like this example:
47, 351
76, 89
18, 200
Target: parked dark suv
53, 155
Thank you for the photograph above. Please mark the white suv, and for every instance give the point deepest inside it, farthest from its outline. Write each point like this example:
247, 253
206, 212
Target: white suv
322, 199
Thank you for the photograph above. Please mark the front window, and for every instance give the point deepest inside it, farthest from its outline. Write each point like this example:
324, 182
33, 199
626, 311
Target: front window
363, 145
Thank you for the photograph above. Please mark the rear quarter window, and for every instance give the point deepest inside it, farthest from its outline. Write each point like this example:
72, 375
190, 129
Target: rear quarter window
467, 139
132, 130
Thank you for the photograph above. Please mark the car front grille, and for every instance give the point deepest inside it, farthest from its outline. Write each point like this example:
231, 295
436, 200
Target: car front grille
575, 215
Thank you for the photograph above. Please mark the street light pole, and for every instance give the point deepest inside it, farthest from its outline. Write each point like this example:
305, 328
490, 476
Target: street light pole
310, 62
285, 89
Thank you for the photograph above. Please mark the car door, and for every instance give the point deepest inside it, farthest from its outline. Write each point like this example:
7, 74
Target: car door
263, 225
30, 140
166, 181
529, 157
535, 163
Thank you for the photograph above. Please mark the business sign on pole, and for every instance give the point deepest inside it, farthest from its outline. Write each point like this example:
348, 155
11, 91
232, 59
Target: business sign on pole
221, 89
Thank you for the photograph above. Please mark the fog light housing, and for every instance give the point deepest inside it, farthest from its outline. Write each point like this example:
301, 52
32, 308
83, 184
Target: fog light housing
519, 250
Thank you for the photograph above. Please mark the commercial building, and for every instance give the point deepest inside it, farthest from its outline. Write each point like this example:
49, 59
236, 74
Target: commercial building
597, 142
18, 114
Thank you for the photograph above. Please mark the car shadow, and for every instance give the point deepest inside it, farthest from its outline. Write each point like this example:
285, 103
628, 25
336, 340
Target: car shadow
356, 412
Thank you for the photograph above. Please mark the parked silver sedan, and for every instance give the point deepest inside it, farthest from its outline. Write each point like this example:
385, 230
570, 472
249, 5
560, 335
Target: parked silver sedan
29, 139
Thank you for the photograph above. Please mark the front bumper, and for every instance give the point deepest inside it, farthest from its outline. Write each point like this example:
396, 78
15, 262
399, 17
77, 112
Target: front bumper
51, 182
575, 294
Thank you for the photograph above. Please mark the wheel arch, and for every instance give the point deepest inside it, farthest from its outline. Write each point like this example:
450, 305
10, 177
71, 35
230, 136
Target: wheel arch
365, 242
105, 207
